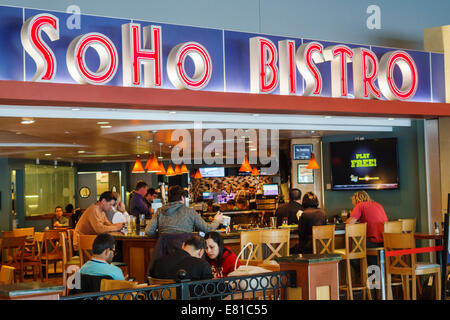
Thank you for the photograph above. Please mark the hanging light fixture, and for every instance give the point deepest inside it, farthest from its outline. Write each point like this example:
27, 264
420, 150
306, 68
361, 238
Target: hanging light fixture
184, 169
154, 165
138, 168
162, 170
245, 167
255, 171
177, 170
170, 171
149, 161
198, 175
312, 164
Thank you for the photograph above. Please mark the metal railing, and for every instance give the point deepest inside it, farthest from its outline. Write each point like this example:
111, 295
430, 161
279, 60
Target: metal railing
266, 286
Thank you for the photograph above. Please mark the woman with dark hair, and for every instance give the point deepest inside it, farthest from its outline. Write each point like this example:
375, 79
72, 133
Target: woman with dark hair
220, 257
311, 216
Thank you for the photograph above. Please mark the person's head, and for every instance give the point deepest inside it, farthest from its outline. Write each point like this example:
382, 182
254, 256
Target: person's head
241, 204
360, 196
141, 187
210, 203
310, 200
151, 194
69, 208
107, 200
214, 247
295, 195
246, 186
195, 246
104, 247
58, 211
231, 204
177, 194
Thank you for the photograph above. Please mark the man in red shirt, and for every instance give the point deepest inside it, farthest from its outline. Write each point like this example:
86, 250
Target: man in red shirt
371, 212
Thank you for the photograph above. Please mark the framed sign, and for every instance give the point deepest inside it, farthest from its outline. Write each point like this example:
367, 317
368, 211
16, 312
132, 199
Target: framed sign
85, 192
305, 176
301, 151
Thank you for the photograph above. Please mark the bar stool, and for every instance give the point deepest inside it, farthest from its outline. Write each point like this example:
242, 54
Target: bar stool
255, 238
276, 241
355, 248
323, 239
408, 225
406, 264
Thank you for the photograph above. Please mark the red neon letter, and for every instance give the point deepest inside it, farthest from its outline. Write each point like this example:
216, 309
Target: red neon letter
33, 44
308, 54
134, 54
202, 63
339, 56
288, 81
365, 71
106, 51
263, 69
408, 70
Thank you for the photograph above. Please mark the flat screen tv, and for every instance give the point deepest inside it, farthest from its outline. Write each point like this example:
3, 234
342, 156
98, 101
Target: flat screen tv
207, 195
212, 172
364, 164
270, 190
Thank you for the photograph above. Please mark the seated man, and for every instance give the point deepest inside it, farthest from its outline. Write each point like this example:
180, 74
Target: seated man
59, 220
188, 258
103, 250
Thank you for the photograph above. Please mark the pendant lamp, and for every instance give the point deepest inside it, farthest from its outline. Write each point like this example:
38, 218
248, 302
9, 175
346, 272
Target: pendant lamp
138, 168
170, 171
245, 167
154, 165
177, 170
184, 169
149, 161
198, 175
255, 171
162, 170
312, 164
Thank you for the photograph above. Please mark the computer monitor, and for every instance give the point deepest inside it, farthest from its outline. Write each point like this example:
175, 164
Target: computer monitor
207, 195
270, 190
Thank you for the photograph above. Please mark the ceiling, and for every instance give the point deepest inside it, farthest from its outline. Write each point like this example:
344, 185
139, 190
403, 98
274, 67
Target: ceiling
109, 135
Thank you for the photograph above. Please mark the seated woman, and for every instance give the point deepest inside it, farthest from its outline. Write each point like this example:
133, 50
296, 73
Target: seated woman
311, 216
118, 212
221, 258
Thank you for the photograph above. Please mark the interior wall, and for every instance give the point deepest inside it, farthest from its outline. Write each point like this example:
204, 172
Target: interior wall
407, 201
444, 151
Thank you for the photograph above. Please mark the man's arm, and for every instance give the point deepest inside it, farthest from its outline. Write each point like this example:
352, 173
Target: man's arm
200, 224
151, 228
101, 225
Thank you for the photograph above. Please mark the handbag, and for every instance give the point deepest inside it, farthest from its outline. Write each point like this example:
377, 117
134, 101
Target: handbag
244, 284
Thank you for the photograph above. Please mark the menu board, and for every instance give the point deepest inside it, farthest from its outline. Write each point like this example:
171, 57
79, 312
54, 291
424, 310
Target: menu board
302, 151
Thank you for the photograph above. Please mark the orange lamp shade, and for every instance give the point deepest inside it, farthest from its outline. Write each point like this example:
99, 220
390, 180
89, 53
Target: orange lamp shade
255, 171
138, 168
312, 164
162, 170
177, 169
198, 175
184, 169
170, 171
154, 165
245, 167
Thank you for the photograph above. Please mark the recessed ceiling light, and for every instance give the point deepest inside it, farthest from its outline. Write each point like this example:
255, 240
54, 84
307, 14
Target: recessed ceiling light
146, 152
27, 121
155, 131
328, 117
256, 114
103, 122
390, 119
47, 154
150, 140
160, 157
76, 109
18, 132
172, 112
106, 127
81, 151
66, 132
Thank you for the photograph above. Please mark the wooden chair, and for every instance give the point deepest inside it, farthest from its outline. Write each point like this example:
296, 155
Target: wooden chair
110, 285
7, 275
355, 248
85, 243
323, 239
51, 250
162, 294
255, 238
29, 232
67, 260
408, 225
406, 265
393, 226
276, 241
70, 235
12, 251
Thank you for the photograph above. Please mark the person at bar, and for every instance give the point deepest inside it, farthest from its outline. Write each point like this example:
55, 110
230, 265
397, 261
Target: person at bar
311, 216
93, 220
221, 258
103, 251
118, 213
175, 217
188, 258
138, 204
290, 210
149, 197
59, 220
244, 193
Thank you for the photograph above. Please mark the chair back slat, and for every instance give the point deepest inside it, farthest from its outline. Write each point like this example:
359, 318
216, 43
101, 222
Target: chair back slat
403, 263
323, 239
408, 225
392, 227
277, 242
255, 238
355, 240
29, 232
85, 247
7, 274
